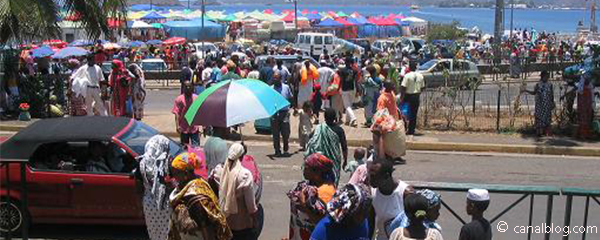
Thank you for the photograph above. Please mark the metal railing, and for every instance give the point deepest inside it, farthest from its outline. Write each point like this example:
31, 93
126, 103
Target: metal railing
525, 192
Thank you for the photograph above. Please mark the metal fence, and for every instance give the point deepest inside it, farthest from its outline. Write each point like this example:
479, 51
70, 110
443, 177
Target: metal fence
530, 193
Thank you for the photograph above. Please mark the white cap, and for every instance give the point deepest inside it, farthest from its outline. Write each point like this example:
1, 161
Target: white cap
478, 195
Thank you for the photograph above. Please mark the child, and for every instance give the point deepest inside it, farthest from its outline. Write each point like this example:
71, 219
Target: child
479, 228
305, 125
317, 101
359, 159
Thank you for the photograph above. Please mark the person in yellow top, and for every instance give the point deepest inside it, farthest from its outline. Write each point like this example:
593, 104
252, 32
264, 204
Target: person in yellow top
308, 74
410, 90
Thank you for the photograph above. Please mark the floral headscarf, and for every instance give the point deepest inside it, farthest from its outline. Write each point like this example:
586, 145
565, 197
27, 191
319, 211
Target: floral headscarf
348, 200
154, 166
433, 198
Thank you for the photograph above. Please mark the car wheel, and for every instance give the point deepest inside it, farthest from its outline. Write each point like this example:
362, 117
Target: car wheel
11, 217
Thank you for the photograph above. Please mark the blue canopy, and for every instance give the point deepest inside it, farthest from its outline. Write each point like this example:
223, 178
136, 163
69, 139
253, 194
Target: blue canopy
70, 52
355, 22
42, 51
144, 7
154, 42
153, 16
402, 23
329, 23
193, 29
134, 44
313, 16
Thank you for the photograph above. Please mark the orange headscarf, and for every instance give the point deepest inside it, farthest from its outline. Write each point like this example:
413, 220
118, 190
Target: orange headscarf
308, 74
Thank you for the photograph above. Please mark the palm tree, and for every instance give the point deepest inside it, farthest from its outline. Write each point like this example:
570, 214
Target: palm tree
22, 20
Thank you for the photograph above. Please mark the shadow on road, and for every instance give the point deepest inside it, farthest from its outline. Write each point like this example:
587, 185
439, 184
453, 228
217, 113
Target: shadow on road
88, 232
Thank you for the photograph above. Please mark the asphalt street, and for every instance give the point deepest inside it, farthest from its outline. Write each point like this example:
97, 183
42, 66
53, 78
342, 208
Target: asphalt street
486, 97
281, 174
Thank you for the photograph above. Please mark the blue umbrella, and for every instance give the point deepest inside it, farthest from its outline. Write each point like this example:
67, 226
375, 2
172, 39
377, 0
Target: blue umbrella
41, 52
134, 44
154, 42
70, 52
81, 43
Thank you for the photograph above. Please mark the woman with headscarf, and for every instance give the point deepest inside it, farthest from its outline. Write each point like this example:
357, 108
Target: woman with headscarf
76, 91
236, 195
119, 80
196, 212
434, 203
416, 209
138, 90
346, 215
215, 151
153, 168
329, 139
544, 103
585, 110
309, 198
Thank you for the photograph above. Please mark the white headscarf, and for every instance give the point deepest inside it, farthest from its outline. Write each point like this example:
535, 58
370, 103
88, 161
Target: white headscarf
228, 187
154, 165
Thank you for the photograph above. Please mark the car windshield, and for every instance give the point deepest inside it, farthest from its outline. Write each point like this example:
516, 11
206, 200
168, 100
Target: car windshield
153, 66
139, 134
427, 65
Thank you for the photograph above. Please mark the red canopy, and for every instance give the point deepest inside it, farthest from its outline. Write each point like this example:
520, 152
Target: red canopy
379, 21
304, 12
314, 12
344, 21
55, 43
73, 17
289, 18
115, 23
268, 11
174, 41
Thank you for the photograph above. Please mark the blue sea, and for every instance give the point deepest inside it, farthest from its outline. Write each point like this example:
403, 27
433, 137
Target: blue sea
561, 21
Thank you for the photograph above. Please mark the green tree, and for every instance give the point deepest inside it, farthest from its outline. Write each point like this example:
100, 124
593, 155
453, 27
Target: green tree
445, 31
38, 19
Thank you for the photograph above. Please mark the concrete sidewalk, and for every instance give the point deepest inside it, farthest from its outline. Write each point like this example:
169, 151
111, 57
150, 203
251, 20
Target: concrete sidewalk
426, 140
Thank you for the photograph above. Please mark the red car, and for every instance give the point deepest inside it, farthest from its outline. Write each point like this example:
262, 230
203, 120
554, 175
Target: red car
65, 184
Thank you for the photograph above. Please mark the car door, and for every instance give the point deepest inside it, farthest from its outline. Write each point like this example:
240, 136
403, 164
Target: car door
50, 195
109, 197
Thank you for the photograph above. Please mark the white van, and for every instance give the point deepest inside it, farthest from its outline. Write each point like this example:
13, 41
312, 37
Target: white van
314, 43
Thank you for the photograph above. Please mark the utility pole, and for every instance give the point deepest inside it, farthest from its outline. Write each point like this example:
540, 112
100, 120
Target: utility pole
498, 30
202, 28
296, 14
512, 8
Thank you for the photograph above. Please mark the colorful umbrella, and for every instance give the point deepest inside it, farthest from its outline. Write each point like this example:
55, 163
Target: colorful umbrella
136, 44
154, 42
41, 52
110, 46
233, 102
174, 40
70, 52
81, 43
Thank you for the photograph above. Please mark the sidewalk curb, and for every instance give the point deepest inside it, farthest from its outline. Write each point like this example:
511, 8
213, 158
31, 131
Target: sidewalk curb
459, 147
428, 146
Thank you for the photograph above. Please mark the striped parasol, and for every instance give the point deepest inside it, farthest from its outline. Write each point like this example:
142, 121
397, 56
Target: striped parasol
232, 102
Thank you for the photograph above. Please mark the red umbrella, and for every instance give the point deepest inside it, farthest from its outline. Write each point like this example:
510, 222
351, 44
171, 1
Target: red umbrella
57, 43
174, 41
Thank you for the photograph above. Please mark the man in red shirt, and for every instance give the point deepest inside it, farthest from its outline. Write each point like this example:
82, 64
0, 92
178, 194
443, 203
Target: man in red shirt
188, 134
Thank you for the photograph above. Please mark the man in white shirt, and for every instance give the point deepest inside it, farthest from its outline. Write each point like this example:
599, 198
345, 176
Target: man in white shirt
207, 72
411, 88
325, 76
92, 75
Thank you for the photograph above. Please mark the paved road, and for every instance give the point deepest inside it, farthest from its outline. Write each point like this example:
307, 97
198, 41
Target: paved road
282, 173
486, 97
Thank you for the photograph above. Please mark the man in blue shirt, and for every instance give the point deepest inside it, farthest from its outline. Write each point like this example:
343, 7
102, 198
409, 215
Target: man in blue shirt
280, 121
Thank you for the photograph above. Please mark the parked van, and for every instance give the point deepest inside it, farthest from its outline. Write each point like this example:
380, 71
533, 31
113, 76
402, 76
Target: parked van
314, 43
